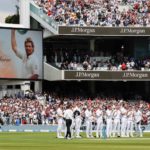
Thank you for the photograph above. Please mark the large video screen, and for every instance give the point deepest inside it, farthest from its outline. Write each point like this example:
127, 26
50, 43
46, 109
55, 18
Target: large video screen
15, 13
21, 54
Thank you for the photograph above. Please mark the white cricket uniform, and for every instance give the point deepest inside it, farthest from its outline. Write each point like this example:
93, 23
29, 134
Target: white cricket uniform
130, 119
78, 121
99, 120
89, 119
60, 122
123, 122
116, 125
138, 119
108, 122
30, 65
72, 127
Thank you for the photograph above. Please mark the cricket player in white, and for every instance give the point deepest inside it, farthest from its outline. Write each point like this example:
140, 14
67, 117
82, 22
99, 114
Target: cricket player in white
130, 119
109, 116
116, 124
99, 120
72, 128
123, 121
60, 121
88, 119
78, 120
138, 118
30, 67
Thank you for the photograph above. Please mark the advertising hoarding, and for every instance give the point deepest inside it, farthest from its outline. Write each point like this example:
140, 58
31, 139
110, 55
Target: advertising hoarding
107, 75
104, 31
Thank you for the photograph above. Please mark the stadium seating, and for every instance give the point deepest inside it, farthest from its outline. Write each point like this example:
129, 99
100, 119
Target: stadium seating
114, 13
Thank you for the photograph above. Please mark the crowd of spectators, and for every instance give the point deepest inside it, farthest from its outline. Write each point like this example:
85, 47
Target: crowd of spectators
108, 64
111, 13
25, 110
21, 109
102, 61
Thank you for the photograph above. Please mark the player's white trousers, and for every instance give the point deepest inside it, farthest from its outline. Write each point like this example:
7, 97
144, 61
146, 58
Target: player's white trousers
130, 128
59, 128
123, 127
138, 129
116, 127
99, 127
88, 128
109, 127
72, 128
77, 126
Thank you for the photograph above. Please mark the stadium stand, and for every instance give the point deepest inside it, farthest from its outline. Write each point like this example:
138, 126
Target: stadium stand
114, 13
27, 110
22, 111
97, 60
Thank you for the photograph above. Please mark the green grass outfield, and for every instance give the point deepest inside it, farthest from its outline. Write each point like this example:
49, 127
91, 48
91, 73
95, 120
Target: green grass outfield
48, 141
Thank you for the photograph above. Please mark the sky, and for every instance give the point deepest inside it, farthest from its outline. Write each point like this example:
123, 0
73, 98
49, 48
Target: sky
7, 7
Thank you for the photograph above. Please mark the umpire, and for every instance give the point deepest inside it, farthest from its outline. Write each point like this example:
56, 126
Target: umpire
68, 116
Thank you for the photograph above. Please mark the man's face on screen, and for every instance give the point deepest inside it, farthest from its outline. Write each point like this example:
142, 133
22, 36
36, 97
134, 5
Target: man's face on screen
29, 48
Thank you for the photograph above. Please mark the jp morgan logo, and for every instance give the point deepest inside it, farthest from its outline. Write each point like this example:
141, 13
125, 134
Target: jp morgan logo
82, 30
132, 31
134, 75
86, 75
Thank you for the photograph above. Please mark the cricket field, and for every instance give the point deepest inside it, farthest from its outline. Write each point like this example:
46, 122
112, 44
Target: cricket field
48, 141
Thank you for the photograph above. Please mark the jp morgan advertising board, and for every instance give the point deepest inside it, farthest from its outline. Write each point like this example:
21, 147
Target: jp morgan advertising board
111, 31
21, 54
107, 75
